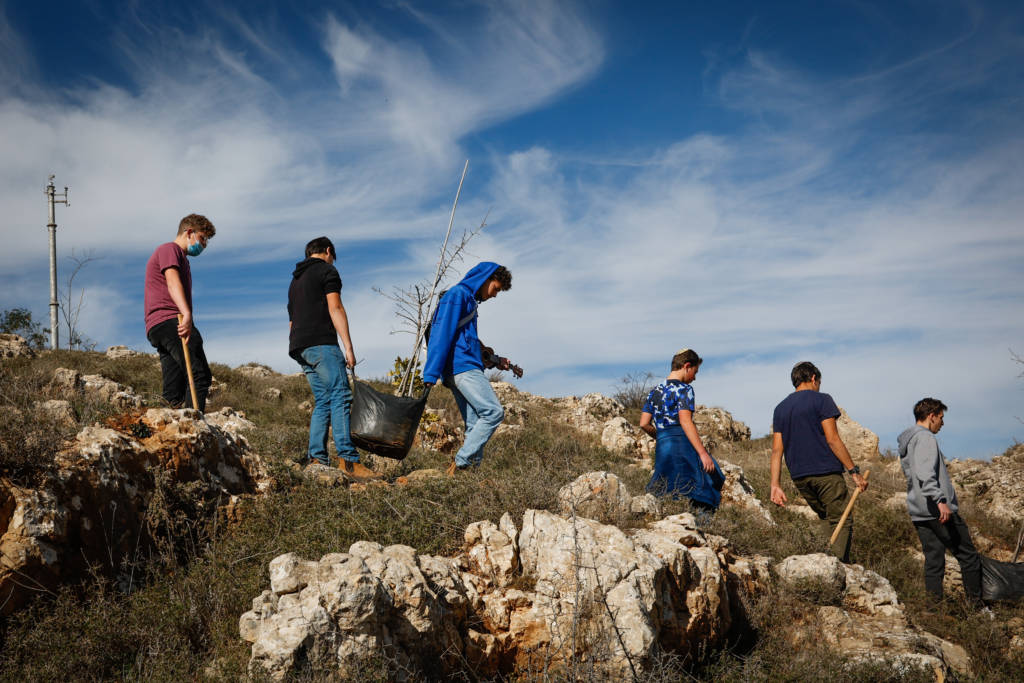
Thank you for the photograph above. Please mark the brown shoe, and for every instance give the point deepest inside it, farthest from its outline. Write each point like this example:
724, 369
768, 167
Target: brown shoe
355, 471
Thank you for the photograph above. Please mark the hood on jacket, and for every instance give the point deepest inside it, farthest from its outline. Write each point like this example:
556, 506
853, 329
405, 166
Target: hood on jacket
302, 266
903, 441
478, 275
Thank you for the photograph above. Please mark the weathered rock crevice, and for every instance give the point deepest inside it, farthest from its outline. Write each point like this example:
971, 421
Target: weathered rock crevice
93, 510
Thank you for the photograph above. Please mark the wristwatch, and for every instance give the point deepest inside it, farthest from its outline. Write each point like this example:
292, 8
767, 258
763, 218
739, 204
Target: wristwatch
853, 470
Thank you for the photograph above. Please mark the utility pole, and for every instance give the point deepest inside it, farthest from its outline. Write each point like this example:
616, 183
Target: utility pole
52, 199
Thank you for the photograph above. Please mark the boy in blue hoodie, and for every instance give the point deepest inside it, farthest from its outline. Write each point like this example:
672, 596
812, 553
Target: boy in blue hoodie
454, 355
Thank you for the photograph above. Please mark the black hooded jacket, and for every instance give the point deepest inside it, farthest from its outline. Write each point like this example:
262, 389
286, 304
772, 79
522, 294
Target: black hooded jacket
312, 280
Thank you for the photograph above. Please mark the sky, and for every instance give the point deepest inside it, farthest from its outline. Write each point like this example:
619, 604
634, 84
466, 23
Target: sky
766, 183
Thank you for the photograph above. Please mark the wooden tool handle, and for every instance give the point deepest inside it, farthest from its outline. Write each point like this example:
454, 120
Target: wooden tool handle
846, 512
188, 368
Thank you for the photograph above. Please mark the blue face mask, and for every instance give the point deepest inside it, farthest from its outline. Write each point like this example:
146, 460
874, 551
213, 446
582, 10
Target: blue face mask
195, 249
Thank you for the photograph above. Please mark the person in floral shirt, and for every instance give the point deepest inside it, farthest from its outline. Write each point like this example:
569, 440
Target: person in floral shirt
682, 466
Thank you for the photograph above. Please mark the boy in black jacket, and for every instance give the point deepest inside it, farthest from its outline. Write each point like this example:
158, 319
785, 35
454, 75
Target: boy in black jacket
317, 318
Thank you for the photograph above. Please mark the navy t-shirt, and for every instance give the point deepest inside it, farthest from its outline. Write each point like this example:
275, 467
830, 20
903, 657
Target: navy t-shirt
798, 418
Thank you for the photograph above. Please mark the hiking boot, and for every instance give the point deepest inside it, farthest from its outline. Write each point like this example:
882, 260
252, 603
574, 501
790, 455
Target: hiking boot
357, 472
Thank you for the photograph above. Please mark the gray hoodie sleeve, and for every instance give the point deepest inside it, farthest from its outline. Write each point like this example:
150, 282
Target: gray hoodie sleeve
923, 451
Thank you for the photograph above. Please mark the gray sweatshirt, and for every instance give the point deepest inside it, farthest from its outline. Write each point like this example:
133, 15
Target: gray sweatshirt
928, 482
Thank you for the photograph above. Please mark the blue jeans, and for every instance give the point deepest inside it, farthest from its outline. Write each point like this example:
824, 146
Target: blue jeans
481, 410
325, 370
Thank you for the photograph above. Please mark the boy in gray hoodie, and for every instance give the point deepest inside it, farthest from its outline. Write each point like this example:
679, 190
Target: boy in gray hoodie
932, 504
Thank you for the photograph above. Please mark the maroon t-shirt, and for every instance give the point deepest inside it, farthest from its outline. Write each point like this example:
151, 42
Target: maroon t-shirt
158, 302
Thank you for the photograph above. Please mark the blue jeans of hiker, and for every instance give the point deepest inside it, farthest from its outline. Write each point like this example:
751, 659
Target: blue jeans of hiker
481, 410
325, 370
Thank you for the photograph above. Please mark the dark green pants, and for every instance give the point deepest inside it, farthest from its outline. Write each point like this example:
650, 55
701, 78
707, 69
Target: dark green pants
827, 496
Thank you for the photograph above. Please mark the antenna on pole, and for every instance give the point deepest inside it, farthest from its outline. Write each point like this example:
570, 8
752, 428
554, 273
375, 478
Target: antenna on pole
52, 199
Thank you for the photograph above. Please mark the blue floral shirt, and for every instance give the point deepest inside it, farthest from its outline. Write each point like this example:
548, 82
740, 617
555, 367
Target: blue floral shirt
667, 399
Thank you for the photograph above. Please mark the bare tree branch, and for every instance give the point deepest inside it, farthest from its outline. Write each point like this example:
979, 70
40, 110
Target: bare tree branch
415, 304
71, 313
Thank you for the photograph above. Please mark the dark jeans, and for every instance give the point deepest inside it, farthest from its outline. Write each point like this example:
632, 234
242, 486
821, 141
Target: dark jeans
164, 338
936, 538
827, 496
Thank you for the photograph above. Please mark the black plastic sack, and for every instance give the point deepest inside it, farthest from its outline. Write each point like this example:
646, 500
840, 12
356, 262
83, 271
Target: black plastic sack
1001, 580
384, 424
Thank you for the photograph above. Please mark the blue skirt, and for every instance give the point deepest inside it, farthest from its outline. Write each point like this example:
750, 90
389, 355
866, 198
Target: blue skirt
678, 472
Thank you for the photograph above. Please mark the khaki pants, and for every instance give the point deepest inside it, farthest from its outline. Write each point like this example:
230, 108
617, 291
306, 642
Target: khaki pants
827, 496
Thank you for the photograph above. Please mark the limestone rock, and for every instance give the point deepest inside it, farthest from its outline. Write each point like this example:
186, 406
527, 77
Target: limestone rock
802, 510
505, 391
216, 386
860, 441
511, 599
868, 623
97, 387
323, 474
257, 370
590, 413
619, 436
996, 486
306, 407
738, 491
508, 430
646, 504
818, 568
122, 352
14, 346
59, 410
91, 510
716, 426
271, 394
597, 495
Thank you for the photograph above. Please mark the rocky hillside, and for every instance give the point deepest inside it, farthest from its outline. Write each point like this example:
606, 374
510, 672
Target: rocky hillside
549, 561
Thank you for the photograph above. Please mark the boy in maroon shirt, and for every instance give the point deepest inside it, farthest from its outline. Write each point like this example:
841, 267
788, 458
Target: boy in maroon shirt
168, 293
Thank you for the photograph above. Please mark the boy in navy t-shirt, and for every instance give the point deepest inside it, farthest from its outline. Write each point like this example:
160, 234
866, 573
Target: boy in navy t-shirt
804, 426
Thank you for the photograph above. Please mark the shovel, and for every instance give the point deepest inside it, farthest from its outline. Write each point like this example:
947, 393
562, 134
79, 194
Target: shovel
188, 368
846, 513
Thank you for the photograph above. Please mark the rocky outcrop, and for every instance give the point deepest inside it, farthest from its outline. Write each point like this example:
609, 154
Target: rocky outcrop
95, 509
97, 387
554, 593
716, 426
14, 346
59, 412
619, 436
864, 618
738, 492
122, 352
603, 496
859, 440
590, 413
257, 370
997, 487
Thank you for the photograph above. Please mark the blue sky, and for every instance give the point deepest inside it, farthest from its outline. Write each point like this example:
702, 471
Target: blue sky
763, 182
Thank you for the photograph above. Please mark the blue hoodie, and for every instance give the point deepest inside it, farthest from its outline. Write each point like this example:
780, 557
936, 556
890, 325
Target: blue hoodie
452, 349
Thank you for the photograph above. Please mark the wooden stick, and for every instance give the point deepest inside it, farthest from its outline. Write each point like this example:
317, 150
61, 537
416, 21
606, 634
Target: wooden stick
188, 367
1020, 542
846, 513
